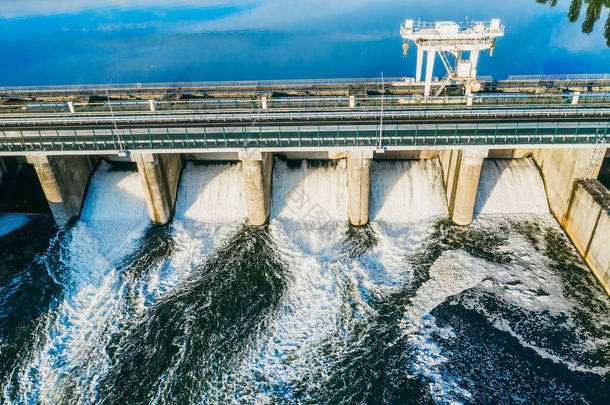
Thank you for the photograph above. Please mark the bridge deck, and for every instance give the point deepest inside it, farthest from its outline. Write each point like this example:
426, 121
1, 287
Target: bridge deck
498, 119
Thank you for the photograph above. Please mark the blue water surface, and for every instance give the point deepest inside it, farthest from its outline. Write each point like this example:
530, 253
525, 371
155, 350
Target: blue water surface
96, 41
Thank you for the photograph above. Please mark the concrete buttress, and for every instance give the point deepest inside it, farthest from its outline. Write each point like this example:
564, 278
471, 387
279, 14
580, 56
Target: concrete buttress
358, 184
160, 175
257, 171
461, 173
64, 181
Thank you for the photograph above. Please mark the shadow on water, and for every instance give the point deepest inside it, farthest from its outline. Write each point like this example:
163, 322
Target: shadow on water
182, 345
20, 191
360, 240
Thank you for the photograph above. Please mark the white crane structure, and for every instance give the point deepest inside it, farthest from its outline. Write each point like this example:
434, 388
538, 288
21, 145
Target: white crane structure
463, 41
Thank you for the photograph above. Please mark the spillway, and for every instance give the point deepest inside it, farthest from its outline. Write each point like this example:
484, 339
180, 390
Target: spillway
113, 217
407, 191
209, 208
510, 186
309, 309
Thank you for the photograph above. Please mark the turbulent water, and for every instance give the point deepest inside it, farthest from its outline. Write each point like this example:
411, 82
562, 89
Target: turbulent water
410, 309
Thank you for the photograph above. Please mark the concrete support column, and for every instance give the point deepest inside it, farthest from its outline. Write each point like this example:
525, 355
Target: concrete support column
420, 61
358, 185
429, 71
559, 168
160, 175
474, 61
257, 170
461, 173
64, 181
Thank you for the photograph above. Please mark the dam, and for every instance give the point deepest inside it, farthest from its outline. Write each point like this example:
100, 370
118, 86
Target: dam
563, 131
436, 239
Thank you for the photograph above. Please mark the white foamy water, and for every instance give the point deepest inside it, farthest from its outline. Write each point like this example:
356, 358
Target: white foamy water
407, 196
407, 191
510, 186
452, 273
72, 353
210, 205
211, 193
308, 225
11, 222
526, 284
115, 210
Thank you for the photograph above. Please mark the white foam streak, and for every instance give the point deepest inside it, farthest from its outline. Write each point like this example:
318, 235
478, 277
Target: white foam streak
210, 206
452, 273
73, 356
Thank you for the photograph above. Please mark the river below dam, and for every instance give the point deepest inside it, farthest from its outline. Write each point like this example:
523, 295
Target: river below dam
410, 309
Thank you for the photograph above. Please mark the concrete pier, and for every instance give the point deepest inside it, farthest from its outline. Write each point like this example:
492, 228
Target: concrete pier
587, 223
358, 185
559, 169
64, 181
461, 173
160, 175
257, 171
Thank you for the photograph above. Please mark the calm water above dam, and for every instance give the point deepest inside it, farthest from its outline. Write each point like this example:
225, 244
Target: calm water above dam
409, 309
96, 41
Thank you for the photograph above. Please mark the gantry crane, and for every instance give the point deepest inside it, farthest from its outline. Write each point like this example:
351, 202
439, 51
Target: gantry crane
463, 41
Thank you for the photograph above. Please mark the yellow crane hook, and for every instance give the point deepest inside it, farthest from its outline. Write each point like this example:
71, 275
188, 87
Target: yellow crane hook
405, 48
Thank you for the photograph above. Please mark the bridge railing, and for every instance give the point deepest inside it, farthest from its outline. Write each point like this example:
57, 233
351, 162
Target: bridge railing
561, 78
285, 136
169, 87
490, 100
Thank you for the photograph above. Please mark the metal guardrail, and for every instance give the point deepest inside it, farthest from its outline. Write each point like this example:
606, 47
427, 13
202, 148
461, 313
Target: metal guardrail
565, 77
508, 100
272, 83
287, 136
203, 84
234, 118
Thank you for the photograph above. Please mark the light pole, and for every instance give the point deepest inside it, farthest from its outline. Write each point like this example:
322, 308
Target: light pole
381, 117
116, 130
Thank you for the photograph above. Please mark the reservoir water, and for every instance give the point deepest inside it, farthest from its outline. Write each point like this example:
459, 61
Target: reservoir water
99, 41
409, 309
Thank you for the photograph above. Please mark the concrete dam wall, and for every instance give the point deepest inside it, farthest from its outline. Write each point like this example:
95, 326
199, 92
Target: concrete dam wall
473, 182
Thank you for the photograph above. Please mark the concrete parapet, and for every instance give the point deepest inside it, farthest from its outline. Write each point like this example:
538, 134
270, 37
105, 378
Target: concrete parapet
160, 175
587, 223
358, 184
559, 169
509, 153
407, 154
461, 173
257, 171
64, 181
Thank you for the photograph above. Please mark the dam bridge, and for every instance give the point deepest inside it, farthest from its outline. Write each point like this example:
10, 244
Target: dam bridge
303, 114
561, 122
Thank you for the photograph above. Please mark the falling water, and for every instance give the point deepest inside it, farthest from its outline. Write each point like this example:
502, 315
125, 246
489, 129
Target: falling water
308, 309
